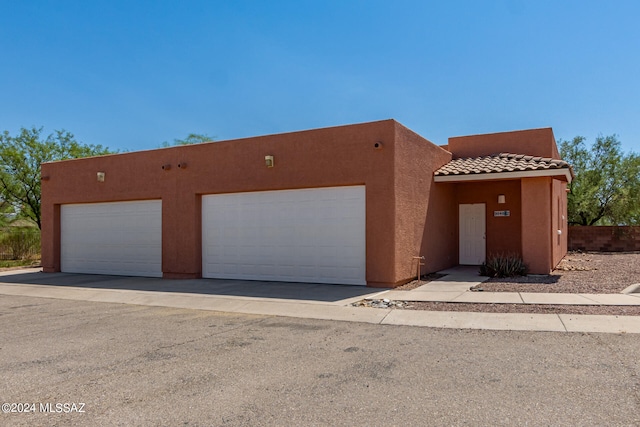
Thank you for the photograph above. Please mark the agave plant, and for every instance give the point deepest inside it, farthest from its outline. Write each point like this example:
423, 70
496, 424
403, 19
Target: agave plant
503, 265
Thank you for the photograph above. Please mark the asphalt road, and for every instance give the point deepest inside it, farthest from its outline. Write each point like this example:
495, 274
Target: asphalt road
133, 365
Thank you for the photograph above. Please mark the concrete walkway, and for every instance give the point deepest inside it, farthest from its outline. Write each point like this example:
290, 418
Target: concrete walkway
456, 285
328, 302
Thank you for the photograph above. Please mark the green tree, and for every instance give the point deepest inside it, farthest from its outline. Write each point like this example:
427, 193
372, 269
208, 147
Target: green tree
606, 188
20, 159
192, 138
6, 213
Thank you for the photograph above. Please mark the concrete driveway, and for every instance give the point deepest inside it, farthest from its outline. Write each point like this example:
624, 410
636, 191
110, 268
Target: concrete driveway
220, 287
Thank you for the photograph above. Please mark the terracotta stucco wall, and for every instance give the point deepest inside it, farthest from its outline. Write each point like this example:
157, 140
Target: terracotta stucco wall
503, 233
533, 142
559, 224
440, 241
537, 224
407, 214
542, 200
338, 156
424, 224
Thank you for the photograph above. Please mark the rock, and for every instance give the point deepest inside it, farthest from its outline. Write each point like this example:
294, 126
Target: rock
379, 303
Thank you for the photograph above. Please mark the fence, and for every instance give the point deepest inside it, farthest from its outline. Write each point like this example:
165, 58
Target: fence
604, 238
19, 244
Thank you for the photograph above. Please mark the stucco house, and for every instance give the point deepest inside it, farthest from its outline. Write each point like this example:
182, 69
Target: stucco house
350, 204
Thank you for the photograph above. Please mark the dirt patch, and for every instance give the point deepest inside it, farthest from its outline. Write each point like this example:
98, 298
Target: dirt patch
578, 273
424, 279
36, 265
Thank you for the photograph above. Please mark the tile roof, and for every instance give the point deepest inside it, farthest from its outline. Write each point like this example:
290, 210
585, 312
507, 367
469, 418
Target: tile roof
503, 162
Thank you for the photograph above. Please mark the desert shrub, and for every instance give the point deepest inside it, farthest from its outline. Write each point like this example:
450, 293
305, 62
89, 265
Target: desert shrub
503, 265
19, 244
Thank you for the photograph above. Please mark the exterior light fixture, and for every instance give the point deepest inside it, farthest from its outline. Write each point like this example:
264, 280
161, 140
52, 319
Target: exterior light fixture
268, 161
501, 199
100, 176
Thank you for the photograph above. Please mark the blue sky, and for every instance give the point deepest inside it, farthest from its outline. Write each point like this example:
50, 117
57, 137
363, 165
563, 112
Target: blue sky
132, 74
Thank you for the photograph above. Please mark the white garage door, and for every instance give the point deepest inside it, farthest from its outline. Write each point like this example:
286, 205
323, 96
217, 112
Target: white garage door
309, 235
122, 238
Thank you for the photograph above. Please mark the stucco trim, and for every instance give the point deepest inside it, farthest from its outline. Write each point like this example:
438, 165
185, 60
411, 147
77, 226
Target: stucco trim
503, 175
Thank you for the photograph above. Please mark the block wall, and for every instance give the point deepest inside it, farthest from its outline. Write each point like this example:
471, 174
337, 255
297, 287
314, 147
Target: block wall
604, 238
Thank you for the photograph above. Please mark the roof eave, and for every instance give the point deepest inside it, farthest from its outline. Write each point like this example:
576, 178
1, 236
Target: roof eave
560, 173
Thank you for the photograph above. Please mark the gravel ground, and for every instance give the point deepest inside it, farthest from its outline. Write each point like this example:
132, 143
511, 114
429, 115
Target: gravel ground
611, 310
586, 273
578, 273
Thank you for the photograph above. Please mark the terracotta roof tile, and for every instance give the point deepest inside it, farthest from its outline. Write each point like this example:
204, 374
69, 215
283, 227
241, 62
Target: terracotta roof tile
503, 162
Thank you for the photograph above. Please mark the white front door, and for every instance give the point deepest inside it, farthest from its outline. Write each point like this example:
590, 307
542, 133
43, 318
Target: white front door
472, 234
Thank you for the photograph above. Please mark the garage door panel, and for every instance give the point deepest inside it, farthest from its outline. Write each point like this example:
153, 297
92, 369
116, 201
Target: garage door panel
120, 238
313, 235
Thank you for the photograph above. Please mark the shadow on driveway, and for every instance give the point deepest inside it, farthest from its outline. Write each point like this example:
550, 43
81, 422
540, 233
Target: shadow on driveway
240, 288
